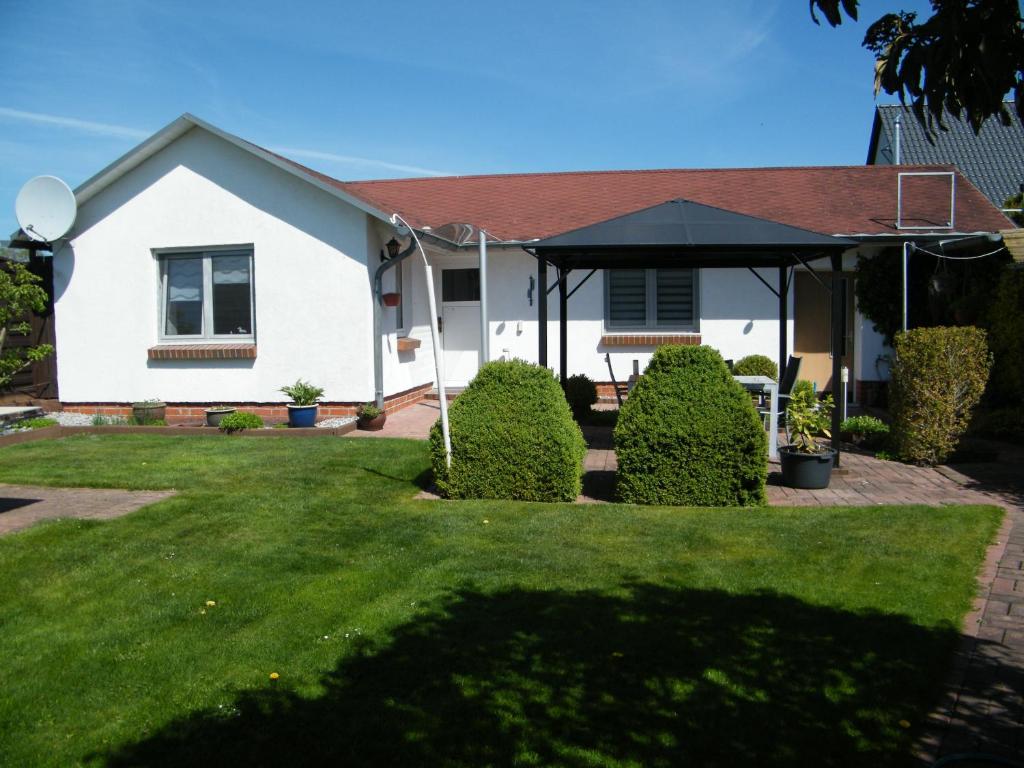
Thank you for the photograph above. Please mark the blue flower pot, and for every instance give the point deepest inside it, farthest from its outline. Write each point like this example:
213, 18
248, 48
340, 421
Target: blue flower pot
302, 415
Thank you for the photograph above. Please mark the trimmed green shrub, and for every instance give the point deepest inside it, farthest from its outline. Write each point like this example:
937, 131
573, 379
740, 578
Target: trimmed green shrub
938, 376
1006, 339
581, 393
239, 420
867, 431
513, 437
689, 434
756, 365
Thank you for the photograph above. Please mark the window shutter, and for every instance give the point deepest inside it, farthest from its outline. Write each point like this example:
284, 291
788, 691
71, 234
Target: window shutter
675, 296
627, 297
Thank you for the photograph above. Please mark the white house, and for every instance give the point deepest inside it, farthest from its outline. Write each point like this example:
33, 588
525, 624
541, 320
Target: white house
203, 269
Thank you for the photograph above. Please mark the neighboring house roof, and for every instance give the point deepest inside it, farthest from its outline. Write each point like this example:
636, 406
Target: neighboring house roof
993, 159
840, 200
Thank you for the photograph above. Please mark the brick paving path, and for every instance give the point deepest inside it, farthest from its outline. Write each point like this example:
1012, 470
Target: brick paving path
25, 505
413, 422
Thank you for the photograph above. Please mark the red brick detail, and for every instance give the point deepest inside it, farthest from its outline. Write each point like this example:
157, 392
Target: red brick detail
649, 339
202, 352
180, 413
408, 344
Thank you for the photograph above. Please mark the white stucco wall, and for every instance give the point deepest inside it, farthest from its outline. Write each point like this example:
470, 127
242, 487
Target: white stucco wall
313, 258
311, 285
739, 315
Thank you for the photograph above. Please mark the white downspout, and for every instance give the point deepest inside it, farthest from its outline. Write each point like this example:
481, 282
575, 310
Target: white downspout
435, 339
896, 150
485, 341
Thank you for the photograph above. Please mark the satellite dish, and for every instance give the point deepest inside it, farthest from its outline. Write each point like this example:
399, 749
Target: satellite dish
45, 208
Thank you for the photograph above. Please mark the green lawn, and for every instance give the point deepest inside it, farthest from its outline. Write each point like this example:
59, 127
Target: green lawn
458, 633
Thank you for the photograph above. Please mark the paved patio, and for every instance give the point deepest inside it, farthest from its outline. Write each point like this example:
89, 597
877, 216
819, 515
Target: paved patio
24, 505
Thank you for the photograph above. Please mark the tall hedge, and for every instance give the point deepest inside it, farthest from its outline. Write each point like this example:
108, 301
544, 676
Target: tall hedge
938, 376
1006, 339
513, 437
689, 434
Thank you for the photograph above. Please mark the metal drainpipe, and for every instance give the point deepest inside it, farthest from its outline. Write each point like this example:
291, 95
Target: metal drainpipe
485, 340
896, 153
378, 343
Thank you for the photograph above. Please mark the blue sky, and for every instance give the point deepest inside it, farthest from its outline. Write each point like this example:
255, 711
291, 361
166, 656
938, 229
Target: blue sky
390, 89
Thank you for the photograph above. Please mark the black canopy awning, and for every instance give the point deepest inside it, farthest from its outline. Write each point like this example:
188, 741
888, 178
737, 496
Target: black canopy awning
683, 233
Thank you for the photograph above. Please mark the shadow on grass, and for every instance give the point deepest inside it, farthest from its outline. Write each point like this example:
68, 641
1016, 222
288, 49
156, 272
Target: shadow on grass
653, 676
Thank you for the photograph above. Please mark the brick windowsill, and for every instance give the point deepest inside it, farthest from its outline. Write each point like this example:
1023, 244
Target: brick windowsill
649, 339
202, 352
407, 344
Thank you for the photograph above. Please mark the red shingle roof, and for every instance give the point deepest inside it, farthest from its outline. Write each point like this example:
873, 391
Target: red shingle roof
831, 200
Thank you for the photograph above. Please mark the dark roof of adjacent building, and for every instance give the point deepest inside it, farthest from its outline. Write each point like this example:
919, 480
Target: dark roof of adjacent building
993, 159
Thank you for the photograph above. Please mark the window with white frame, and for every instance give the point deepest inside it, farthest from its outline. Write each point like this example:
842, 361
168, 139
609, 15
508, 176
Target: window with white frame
206, 295
651, 299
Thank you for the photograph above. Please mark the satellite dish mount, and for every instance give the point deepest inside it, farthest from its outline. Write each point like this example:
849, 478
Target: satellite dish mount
46, 209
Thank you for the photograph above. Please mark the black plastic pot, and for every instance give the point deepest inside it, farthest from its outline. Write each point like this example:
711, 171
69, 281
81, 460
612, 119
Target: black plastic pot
214, 415
806, 470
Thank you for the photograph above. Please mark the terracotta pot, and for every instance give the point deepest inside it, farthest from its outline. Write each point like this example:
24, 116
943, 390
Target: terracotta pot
391, 299
376, 424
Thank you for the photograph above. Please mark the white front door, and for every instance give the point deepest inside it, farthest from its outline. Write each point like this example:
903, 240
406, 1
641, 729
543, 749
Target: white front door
460, 325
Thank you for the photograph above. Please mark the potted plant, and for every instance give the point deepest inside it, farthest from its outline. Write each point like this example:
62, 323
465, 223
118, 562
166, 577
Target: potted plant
147, 411
216, 413
370, 418
391, 299
303, 408
806, 463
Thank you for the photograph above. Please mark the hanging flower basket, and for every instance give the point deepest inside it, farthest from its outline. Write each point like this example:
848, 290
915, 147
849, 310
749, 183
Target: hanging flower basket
392, 299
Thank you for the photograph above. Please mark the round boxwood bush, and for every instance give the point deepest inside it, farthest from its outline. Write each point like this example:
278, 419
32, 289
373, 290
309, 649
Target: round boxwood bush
513, 437
581, 393
689, 434
756, 365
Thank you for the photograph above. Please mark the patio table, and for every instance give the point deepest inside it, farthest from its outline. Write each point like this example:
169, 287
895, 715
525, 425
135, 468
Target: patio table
765, 385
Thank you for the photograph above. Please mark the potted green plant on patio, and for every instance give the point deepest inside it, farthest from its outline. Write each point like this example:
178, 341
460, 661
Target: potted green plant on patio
370, 418
806, 463
303, 408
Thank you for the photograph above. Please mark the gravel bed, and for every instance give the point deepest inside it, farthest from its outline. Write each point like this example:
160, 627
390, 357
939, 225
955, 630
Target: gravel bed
341, 421
66, 419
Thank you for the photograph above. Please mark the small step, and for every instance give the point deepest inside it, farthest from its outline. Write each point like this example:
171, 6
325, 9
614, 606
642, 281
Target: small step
450, 393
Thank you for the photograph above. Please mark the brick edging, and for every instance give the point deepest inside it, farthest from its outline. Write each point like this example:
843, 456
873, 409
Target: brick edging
183, 410
49, 433
930, 744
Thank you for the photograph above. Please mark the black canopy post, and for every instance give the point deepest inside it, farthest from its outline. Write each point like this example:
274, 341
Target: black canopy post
837, 346
783, 319
563, 324
542, 312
